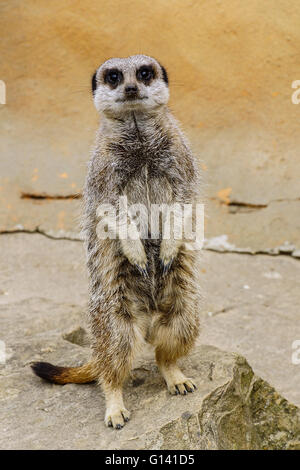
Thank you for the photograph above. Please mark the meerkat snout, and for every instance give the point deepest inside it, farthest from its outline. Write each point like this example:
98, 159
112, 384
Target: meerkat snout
131, 92
137, 83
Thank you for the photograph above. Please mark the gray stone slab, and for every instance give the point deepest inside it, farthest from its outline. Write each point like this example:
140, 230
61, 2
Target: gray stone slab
250, 307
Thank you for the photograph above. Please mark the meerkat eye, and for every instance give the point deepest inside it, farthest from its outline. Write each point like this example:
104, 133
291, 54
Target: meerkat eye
145, 73
113, 77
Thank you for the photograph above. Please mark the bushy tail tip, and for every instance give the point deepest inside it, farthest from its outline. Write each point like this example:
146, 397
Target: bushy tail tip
65, 375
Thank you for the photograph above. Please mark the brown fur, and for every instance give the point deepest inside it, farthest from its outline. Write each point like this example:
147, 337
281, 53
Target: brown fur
142, 290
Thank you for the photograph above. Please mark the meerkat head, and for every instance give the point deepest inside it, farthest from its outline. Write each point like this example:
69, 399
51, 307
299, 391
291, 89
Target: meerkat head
136, 83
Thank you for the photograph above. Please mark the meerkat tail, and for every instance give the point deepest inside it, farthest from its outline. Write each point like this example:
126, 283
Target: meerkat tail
64, 375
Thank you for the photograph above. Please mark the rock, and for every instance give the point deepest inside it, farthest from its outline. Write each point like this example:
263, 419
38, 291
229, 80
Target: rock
262, 230
46, 298
296, 254
247, 413
232, 409
78, 336
287, 248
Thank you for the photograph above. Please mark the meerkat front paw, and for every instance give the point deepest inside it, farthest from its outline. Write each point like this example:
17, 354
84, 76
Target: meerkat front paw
168, 252
136, 255
116, 417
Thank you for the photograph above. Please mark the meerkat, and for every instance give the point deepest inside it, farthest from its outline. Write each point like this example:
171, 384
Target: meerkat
141, 289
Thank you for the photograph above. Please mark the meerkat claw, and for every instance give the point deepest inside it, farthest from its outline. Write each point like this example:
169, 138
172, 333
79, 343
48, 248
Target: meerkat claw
117, 419
166, 267
182, 388
189, 389
143, 271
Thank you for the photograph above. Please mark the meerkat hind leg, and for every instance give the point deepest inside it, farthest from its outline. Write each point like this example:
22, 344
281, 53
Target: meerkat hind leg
116, 414
176, 381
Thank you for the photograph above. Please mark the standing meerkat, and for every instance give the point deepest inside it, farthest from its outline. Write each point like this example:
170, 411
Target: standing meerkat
141, 288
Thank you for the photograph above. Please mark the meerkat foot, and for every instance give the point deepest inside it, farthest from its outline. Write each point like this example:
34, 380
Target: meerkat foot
182, 388
116, 417
116, 414
176, 381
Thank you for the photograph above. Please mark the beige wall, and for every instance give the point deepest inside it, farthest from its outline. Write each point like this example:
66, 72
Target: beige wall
231, 64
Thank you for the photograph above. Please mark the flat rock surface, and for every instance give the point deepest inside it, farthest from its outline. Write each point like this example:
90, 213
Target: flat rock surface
228, 411
250, 306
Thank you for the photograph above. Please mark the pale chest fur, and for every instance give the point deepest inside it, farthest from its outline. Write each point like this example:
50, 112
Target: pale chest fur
147, 188
147, 172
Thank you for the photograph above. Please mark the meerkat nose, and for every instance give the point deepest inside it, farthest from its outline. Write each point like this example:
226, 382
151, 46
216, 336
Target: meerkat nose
131, 91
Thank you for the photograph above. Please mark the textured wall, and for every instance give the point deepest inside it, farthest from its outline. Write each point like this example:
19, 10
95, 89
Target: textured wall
231, 64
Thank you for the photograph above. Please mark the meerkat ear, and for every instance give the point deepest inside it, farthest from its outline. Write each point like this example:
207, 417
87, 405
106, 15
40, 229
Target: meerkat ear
94, 83
165, 75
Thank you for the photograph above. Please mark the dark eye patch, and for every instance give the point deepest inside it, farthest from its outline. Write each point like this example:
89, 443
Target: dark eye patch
164, 74
94, 82
145, 73
113, 77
